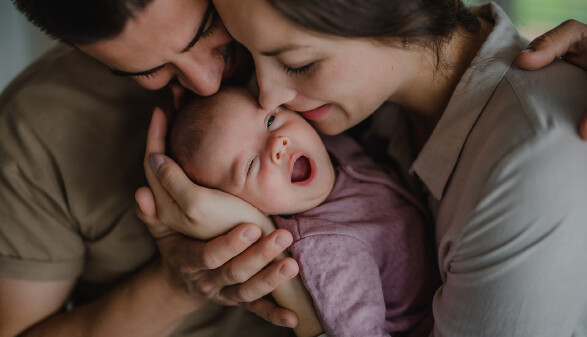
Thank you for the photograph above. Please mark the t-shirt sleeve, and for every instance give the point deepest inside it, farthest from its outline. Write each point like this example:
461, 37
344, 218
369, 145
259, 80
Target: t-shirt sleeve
343, 280
519, 266
38, 238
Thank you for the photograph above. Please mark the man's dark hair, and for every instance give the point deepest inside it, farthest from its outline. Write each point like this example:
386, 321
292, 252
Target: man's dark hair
80, 22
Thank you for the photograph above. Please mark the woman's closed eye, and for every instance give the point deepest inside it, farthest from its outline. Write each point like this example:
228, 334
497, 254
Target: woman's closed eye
299, 70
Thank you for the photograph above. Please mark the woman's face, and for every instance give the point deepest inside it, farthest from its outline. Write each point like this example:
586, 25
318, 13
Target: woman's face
333, 82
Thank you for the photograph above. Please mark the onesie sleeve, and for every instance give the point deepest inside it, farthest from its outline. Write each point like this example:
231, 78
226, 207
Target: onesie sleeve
343, 280
519, 265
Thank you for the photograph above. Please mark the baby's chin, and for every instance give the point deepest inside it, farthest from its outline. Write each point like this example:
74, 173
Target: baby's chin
293, 207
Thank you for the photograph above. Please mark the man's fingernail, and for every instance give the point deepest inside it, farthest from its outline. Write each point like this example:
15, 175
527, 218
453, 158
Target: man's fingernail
286, 272
251, 235
281, 242
156, 161
528, 50
288, 323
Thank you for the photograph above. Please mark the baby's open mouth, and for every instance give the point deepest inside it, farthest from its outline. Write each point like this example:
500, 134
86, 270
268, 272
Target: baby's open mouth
302, 170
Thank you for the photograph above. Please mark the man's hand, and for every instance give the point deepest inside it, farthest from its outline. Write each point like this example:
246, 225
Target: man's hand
568, 40
234, 268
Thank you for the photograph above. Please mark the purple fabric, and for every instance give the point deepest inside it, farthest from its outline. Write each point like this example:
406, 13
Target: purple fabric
366, 254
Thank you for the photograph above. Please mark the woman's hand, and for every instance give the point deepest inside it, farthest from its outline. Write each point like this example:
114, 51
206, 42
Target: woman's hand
234, 268
568, 40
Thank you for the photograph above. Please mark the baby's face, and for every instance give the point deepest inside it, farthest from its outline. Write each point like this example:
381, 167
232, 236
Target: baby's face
272, 159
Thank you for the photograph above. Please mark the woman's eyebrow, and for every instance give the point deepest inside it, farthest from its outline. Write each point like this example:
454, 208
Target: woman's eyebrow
282, 49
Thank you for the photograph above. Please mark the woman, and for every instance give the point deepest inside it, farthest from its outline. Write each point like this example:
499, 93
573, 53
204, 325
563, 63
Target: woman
485, 143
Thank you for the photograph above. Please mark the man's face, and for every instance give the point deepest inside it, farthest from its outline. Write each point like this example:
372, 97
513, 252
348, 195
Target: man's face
274, 159
172, 39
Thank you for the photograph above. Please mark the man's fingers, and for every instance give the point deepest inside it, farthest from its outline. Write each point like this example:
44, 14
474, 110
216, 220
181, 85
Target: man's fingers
146, 202
156, 133
583, 127
262, 283
147, 212
565, 39
180, 189
249, 263
154, 158
178, 93
272, 313
226, 247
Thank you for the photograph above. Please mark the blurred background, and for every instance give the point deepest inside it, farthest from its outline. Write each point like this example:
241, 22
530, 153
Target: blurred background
21, 43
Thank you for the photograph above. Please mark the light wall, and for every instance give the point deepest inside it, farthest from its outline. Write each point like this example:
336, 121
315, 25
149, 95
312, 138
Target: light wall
20, 42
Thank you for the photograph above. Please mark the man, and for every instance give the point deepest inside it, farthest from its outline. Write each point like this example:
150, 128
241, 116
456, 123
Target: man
71, 134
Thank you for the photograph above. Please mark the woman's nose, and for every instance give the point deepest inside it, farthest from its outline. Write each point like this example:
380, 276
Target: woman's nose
279, 146
273, 92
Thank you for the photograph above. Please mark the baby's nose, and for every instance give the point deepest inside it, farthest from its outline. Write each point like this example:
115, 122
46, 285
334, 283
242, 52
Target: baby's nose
278, 148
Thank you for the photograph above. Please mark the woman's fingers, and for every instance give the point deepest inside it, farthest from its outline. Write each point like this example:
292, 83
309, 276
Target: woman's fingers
569, 40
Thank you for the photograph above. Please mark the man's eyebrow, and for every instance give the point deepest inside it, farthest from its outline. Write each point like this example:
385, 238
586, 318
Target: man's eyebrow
205, 18
282, 49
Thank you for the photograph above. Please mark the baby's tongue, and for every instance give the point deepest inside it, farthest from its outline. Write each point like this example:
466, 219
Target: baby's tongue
301, 170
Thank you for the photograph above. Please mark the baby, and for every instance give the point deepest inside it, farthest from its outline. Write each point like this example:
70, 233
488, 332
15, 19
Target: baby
363, 244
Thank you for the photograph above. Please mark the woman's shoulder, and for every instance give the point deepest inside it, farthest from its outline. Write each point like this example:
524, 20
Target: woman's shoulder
550, 98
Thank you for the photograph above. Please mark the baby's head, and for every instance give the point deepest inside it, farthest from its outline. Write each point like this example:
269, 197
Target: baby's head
274, 159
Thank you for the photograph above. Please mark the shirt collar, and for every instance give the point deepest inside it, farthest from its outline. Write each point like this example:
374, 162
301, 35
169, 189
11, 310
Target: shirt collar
437, 160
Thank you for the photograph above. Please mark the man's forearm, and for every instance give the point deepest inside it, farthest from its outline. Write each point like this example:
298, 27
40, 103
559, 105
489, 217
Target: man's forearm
146, 305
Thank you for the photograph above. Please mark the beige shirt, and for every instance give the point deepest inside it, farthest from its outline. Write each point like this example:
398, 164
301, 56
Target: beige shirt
507, 179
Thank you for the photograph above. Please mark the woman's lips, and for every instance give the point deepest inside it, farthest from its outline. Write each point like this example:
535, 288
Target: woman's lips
316, 114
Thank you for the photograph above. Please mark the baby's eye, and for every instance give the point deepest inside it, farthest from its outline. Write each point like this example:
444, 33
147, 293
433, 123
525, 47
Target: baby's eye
270, 120
250, 166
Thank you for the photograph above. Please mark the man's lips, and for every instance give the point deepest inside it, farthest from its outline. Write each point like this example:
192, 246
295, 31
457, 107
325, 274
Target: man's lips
302, 169
316, 114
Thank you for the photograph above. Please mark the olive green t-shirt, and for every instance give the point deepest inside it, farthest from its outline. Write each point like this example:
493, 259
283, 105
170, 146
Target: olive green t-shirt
72, 142
72, 139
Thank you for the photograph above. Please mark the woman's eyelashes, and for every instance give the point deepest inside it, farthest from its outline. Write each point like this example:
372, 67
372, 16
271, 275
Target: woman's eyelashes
299, 70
